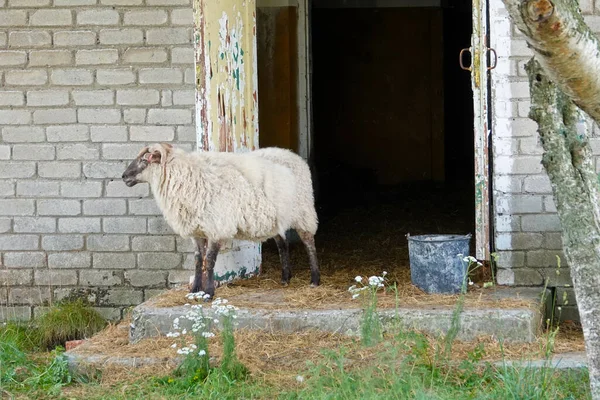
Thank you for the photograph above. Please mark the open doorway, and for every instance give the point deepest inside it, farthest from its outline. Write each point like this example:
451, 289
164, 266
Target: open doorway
392, 121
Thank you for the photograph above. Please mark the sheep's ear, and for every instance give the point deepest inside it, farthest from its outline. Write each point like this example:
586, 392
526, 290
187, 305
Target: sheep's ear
142, 152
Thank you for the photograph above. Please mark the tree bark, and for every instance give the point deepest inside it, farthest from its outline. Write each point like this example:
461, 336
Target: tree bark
567, 49
568, 161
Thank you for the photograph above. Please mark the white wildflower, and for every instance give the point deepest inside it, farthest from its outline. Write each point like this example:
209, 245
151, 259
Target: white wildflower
184, 332
358, 278
208, 334
300, 379
202, 353
193, 346
174, 346
355, 295
384, 273
173, 334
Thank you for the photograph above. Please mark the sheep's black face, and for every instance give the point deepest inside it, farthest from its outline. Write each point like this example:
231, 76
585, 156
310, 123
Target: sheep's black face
130, 176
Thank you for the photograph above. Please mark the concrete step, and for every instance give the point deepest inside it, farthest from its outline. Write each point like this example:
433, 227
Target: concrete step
515, 325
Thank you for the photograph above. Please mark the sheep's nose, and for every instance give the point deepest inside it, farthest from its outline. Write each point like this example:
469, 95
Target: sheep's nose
123, 176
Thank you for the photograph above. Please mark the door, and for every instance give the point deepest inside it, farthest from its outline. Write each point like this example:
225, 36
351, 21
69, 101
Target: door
226, 100
479, 82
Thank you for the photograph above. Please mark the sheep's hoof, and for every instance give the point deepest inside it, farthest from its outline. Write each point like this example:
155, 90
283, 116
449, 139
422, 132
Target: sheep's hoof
314, 285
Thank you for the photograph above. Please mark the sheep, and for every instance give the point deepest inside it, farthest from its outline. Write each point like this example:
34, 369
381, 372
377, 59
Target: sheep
212, 197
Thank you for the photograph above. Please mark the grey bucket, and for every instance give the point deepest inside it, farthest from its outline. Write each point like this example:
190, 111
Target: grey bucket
434, 263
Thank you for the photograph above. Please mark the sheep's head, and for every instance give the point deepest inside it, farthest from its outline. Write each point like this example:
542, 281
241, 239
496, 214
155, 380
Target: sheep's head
148, 158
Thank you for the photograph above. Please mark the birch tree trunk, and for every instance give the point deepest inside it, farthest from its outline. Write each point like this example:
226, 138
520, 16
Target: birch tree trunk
565, 74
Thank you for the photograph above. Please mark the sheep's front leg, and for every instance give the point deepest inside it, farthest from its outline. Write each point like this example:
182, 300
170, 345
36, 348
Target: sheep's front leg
199, 261
309, 241
284, 255
211, 259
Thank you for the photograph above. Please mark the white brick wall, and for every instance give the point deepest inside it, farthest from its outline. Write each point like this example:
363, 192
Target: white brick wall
527, 229
80, 79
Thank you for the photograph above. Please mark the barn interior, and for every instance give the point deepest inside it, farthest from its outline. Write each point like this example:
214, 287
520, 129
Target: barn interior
392, 122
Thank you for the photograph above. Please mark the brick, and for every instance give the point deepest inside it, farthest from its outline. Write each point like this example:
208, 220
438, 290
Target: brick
186, 133
159, 226
17, 170
72, 77
166, 98
74, 2
37, 189
124, 225
518, 241
115, 76
54, 169
545, 258
169, 36
34, 225
79, 225
62, 242
12, 58
189, 76
96, 56
58, 207
3, 39
55, 116
541, 223
159, 261
77, 151
565, 296
51, 17
182, 55
4, 152
104, 207
48, 277
137, 97
19, 242
25, 260
518, 165
98, 17
519, 204
3, 299
121, 2
142, 133
537, 184
74, 38
121, 36
35, 295
556, 277
119, 189
67, 133
33, 152
182, 16
38, 98
15, 277
99, 116
15, 117
159, 116
120, 151
108, 133
531, 146
549, 205
85, 294
184, 97
22, 134
507, 223
124, 297
100, 278
134, 115
114, 260
510, 259
5, 225
508, 183
112, 314
108, 243
143, 207
160, 75
153, 243
10, 18
179, 277
139, 278
81, 189
28, 3
167, 2
93, 97
7, 189
29, 39
145, 17
12, 98
30, 77
18, 313
145, 55
103, 169
553, 241
70, 260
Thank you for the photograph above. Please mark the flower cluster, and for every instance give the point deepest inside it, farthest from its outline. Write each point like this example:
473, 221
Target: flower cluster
221, 308
373, 283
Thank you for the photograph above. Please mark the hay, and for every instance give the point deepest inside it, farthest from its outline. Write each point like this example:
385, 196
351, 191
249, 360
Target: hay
277, 358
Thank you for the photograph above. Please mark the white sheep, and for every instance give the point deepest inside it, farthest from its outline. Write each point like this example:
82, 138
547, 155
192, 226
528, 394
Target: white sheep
215, 196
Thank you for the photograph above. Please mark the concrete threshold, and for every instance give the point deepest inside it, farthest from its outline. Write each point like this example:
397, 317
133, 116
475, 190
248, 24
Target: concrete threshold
517, 325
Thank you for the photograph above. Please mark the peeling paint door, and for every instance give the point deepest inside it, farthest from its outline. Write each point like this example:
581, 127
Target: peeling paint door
226, 100
479, 83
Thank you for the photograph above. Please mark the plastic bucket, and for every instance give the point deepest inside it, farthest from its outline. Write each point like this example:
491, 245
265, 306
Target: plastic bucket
435, 266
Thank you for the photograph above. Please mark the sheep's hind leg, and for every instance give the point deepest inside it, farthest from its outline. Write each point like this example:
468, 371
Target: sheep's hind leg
211, 259
284, 255
309, 241
199, 259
